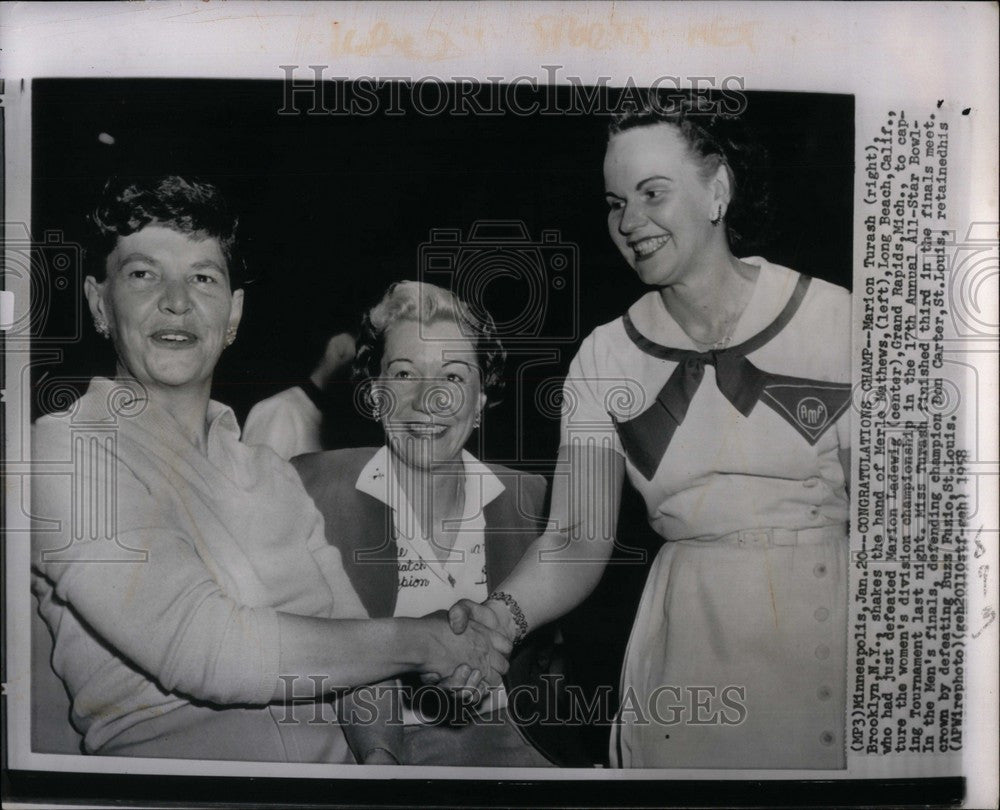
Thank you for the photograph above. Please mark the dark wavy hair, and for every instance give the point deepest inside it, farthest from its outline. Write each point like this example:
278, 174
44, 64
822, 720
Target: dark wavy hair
426, 303
717, 138
185, 204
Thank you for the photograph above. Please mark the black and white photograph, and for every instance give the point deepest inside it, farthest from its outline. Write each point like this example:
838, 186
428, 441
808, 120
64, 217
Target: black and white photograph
403, 402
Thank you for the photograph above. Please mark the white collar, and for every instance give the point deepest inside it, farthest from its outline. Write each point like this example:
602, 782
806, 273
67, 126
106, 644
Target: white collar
771, 292
376, 479
126, 399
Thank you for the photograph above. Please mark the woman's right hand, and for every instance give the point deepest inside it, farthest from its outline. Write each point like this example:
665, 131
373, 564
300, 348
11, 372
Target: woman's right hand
478, 647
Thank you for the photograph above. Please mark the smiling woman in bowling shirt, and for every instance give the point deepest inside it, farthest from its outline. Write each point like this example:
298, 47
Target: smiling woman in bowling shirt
421, 522
723, 395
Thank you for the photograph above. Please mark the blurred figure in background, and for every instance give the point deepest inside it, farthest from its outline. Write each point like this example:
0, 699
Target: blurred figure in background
292, 421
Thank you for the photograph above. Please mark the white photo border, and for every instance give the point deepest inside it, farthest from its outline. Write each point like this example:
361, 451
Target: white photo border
887, 56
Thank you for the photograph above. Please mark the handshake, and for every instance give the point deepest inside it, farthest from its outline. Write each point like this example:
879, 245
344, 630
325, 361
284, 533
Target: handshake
472, 642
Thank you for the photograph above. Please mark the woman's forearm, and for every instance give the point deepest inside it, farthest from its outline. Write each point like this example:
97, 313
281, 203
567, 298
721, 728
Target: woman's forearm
563, 566
553, 577
342, 653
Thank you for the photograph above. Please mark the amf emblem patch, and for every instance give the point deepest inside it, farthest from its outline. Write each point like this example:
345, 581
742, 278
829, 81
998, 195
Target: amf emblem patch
810, 406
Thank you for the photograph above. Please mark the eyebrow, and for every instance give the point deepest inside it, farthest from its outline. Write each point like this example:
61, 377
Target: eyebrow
444, 363
204, 264
208, 263
641, 183
138, 257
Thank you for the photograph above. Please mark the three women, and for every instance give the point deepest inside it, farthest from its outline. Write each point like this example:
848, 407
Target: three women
721, 394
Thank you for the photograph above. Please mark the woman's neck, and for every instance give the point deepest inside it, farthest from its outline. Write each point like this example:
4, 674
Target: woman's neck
188, 405
437, 498
712, 297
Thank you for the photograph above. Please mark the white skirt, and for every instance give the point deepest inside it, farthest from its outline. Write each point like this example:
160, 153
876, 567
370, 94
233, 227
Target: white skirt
737, 658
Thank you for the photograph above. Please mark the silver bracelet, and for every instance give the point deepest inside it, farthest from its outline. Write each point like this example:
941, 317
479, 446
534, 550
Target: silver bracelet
515, 611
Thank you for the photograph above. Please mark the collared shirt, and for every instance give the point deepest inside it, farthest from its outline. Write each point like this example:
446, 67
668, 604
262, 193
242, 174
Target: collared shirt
724, 471
427, 582
165, 560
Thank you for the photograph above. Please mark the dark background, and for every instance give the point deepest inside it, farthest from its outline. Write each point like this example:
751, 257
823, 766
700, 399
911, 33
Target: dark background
333, 208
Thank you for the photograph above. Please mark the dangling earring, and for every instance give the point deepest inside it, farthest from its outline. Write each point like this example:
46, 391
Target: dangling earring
718, 215
374, 399
102, 328
230, 335
475, 424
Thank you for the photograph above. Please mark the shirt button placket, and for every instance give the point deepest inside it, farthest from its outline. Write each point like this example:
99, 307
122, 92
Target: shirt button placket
822, 652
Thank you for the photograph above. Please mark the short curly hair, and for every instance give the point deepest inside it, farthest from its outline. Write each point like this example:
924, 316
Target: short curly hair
426, 303
185, 204
716, 138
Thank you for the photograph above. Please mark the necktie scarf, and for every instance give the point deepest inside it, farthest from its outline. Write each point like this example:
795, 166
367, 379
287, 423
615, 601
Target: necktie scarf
646, 437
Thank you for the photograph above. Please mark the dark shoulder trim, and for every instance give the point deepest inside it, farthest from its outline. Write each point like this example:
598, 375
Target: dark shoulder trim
747, 347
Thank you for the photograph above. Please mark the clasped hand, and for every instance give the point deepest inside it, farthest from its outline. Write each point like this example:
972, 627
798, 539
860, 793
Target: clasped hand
469, 643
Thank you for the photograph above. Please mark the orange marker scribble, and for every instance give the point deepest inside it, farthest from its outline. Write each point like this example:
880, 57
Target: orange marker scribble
382, 39
554, 32
722, 34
